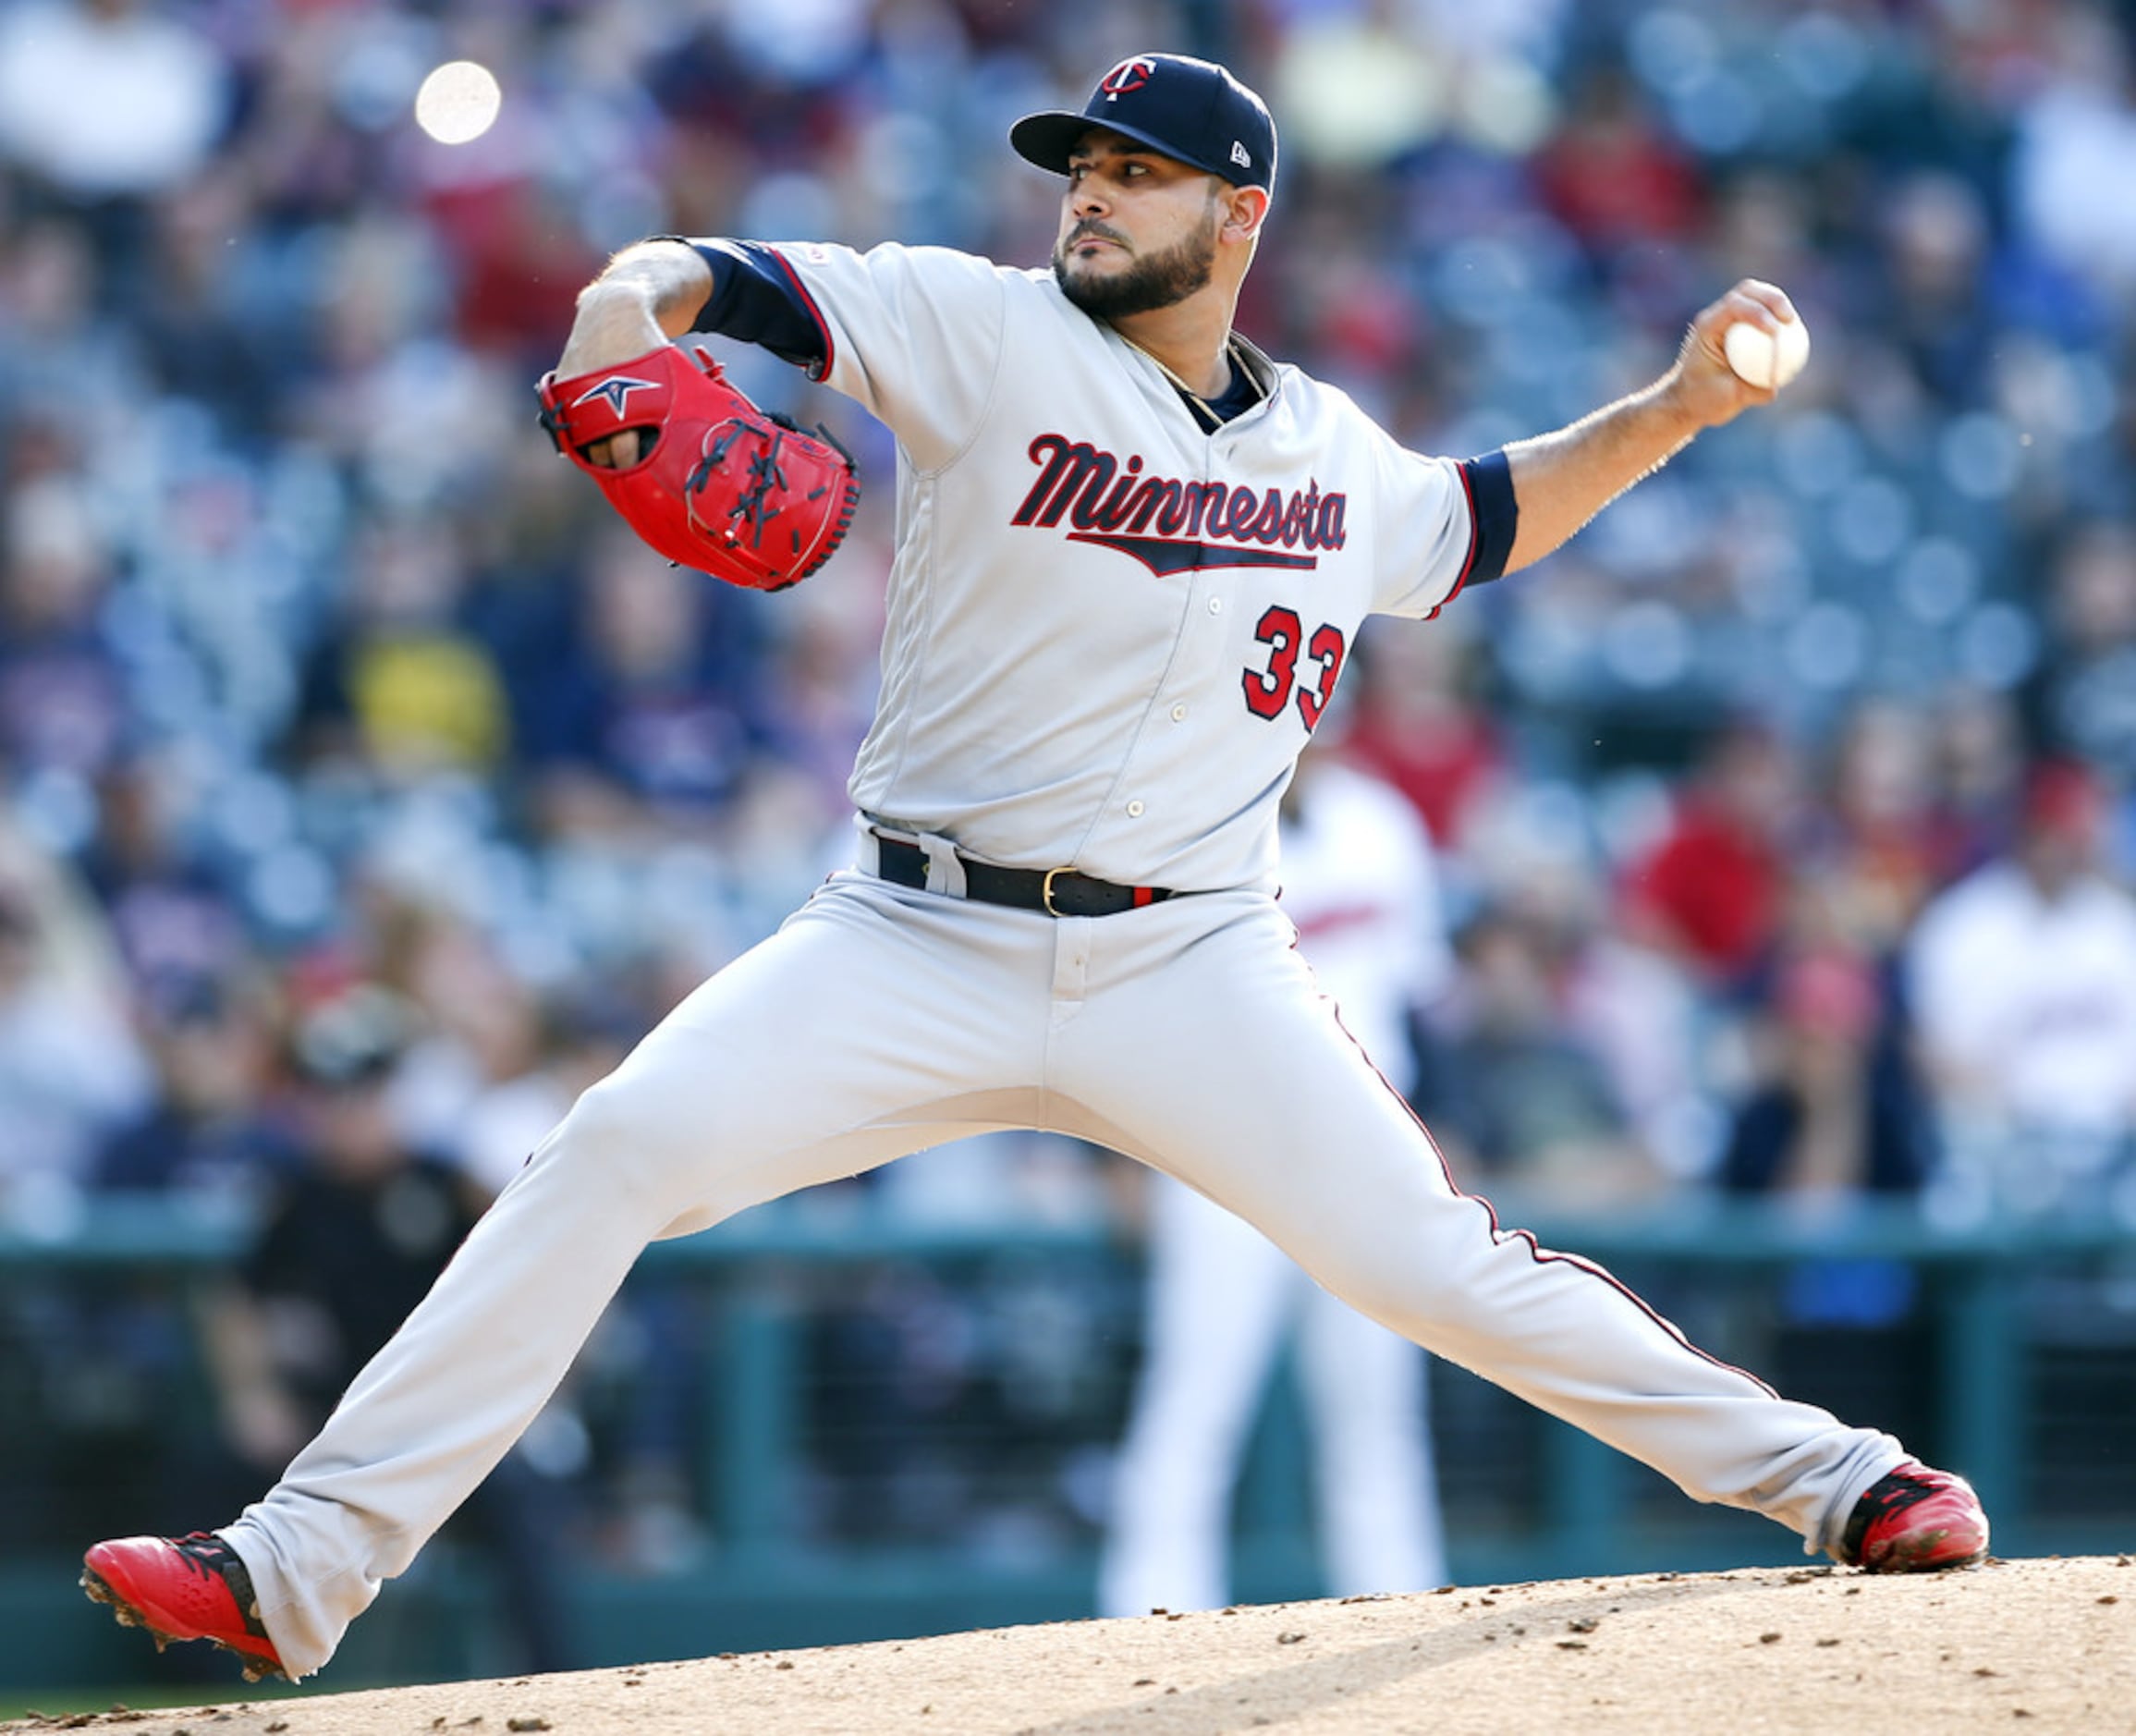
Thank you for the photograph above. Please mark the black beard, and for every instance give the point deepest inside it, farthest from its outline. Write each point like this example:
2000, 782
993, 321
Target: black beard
1157, 281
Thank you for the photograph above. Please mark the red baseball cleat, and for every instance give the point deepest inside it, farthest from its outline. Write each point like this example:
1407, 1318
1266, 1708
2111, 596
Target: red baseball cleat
183, 1588
1915, 1520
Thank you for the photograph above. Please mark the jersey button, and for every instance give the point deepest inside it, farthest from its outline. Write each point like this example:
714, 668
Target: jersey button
1215, 605
1135, 810
1179, 713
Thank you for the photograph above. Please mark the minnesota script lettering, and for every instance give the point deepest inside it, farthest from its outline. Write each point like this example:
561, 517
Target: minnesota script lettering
1173, 526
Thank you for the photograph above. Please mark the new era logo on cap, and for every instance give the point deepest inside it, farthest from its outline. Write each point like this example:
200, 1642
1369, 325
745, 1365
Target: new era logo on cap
1190, 109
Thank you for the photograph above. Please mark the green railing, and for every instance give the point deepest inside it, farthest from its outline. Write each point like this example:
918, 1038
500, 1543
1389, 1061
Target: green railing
767, 1268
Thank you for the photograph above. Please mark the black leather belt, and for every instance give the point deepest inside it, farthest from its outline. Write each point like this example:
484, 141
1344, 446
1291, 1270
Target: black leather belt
1056, 891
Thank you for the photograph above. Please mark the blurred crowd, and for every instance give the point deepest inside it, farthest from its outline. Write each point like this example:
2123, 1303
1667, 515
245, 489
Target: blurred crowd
365, 789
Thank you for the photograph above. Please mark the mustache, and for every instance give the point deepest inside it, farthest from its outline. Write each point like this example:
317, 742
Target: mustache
1088, 230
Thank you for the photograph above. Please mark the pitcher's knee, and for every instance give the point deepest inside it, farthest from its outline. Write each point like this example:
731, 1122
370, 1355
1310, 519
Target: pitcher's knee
618, 1132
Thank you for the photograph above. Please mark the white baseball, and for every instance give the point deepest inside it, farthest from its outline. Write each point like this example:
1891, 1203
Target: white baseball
1765, 358
458, 101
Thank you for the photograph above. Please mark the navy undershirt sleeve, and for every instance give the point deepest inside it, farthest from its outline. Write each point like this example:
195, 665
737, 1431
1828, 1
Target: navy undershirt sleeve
756, 300
1498, 513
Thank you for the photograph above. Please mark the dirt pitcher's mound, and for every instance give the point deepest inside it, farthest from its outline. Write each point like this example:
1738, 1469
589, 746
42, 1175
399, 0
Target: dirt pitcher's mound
2041, 1646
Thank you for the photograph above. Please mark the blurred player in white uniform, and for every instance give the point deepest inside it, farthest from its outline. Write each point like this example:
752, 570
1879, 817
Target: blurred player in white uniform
1133, 552
1361, 886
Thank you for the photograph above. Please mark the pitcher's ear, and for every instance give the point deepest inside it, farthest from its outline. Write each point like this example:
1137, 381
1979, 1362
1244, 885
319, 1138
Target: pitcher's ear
1246, 208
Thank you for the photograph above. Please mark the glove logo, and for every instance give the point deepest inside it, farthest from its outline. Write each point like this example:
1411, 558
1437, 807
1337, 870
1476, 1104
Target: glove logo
1130, 75
616, 390
723, 488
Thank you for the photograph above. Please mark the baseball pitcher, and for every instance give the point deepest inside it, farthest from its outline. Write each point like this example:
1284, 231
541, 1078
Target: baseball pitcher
1133, 553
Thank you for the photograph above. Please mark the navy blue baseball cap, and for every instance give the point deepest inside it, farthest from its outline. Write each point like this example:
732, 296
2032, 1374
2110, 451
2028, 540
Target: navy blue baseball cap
1190, 109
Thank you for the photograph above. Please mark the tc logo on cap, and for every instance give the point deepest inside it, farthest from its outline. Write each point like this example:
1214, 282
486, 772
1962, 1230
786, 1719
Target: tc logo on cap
1131, 74
1191, 110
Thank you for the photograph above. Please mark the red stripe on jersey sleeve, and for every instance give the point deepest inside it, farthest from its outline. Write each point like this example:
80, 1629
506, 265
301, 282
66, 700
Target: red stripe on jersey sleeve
823, 370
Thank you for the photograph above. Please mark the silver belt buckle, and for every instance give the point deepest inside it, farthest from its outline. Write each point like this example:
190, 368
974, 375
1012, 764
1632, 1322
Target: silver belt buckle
1045, 891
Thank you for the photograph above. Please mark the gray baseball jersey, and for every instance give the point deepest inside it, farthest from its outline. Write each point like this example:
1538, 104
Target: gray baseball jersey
1110, 631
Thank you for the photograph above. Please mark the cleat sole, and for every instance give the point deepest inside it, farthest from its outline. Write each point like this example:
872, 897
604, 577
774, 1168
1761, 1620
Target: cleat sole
1925, 1552
127, 1616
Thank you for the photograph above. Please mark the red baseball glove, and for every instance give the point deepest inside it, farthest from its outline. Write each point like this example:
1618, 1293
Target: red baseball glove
719, 485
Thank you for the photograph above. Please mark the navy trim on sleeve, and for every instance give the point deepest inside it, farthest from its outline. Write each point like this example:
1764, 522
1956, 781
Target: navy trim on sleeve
1497, 514
756, 299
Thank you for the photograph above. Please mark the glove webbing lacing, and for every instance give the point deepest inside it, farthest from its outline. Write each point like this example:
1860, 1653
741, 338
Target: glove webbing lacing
764, 476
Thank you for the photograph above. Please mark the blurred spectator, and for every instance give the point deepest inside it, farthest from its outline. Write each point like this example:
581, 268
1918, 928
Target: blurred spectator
824, 671
476, 1026
2073, 163
1710, 892
177, 925
578, 1039
352, 1241
1833, 1112
1615, 177
1873, 841
204, 337
70, 1070
415, 419
1979, 768
106, 102
1833, 1117
1761, 227
1421, 724
2083, 698
352, 1238
2023, 982
399, 684
1636, 1012
495, 1063
519, 259
210, 1131
1360, 86
67, 378
65, 705
1937, 285
1512, 1087
638, 729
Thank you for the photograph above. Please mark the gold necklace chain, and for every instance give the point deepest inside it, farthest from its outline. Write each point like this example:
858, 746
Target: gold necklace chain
1188, 392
